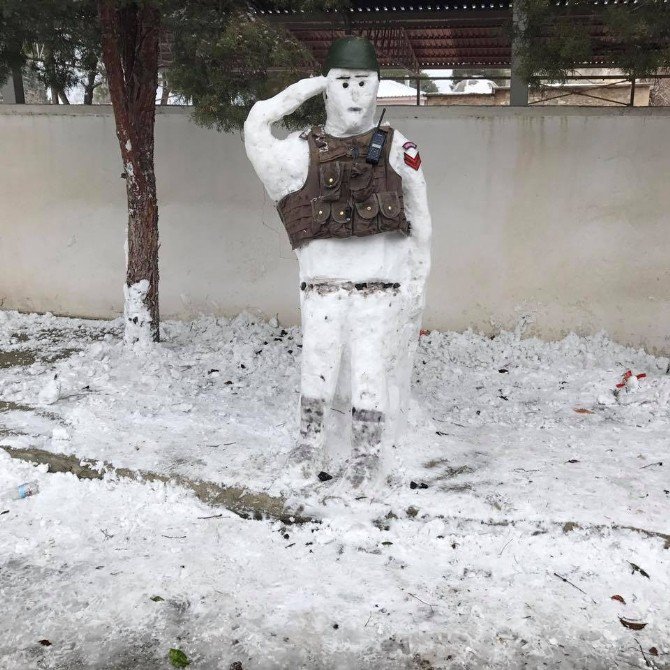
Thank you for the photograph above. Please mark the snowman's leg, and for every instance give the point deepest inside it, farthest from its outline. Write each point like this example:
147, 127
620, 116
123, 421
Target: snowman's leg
406, 336
322, 320
371, 322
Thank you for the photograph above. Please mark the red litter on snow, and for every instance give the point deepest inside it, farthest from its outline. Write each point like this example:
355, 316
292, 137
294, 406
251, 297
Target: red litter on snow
627, 375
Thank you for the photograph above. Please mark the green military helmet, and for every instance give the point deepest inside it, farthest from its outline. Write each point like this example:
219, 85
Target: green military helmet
351, 53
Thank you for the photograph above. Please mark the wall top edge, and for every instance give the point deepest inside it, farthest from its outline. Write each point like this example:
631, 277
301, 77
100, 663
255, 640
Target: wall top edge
398, 111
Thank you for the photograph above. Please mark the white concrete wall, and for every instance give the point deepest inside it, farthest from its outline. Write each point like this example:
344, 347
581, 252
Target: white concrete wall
560, 214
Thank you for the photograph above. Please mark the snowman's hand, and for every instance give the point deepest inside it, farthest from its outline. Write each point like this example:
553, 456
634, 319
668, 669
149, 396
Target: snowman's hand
266, 112
280, 164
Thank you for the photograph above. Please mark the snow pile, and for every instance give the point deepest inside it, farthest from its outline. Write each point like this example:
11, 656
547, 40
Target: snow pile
217, 399
113, 574
500, 540
388, 88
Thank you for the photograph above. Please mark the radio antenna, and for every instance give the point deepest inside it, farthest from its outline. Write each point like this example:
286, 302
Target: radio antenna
381, 118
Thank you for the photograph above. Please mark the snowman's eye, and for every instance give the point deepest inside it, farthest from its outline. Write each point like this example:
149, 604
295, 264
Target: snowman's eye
361, 83
345, 84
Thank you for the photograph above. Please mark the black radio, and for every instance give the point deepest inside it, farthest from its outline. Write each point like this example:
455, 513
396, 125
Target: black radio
376, 143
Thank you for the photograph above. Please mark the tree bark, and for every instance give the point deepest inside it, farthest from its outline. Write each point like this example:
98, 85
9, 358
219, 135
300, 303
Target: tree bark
50, 78
130, 35
19, 92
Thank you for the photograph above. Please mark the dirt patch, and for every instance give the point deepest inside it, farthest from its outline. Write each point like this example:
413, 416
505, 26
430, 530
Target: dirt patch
456, 488
435, 462
451, 472
244, 503
5, 432
25, 357
10, 359
58, 355
9, 406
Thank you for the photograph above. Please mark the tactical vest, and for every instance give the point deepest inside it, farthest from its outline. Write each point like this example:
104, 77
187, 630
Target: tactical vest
343, 195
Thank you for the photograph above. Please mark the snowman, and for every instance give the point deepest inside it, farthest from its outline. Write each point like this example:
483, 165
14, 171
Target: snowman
352, 198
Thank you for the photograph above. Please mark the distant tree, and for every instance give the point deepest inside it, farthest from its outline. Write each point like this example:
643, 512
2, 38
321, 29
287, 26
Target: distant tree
36, 91
15, 30
89, 48
428, 85
58, 40
226, 58
556, 39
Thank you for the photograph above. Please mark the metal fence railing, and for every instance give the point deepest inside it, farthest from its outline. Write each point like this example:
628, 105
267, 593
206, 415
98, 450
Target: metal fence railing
625, 91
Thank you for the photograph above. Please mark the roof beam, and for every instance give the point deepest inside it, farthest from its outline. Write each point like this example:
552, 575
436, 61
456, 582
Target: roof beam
393, 46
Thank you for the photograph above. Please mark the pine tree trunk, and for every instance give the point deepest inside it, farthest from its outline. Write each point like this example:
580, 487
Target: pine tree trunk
19, 92
130, 52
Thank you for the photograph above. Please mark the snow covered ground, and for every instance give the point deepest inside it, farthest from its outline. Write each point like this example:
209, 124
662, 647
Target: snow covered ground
532, 517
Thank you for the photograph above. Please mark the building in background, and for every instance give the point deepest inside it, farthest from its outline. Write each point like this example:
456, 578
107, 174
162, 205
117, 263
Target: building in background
395, 93
595, 92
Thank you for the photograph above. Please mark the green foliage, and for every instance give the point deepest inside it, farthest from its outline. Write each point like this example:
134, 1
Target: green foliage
15, 29
226, 59
643, 35
428, 86
58, 39
178, 658
555, 39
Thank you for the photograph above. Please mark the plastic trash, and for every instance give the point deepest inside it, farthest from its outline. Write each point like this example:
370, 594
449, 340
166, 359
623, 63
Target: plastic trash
20, 491
629, 381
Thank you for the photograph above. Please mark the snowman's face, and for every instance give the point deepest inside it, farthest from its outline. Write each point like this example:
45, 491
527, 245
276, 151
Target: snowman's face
351, 98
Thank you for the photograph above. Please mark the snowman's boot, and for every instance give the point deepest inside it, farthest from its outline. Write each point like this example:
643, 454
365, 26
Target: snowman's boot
364, 464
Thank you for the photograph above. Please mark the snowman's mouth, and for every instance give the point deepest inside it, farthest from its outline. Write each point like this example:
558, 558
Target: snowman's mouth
355, 109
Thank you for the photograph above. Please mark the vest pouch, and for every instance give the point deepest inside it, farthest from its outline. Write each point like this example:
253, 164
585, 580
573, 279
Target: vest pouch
320, 215
389, 207
340, 224
365, 217
360, 181
330, 175
320, 210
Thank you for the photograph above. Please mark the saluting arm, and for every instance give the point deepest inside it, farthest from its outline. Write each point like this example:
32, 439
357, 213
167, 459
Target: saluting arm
268, 154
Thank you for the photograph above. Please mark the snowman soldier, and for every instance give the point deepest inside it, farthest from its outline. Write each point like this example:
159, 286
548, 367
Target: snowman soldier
361, 230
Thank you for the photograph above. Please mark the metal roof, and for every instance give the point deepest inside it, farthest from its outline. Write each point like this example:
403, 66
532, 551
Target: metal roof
414, 35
